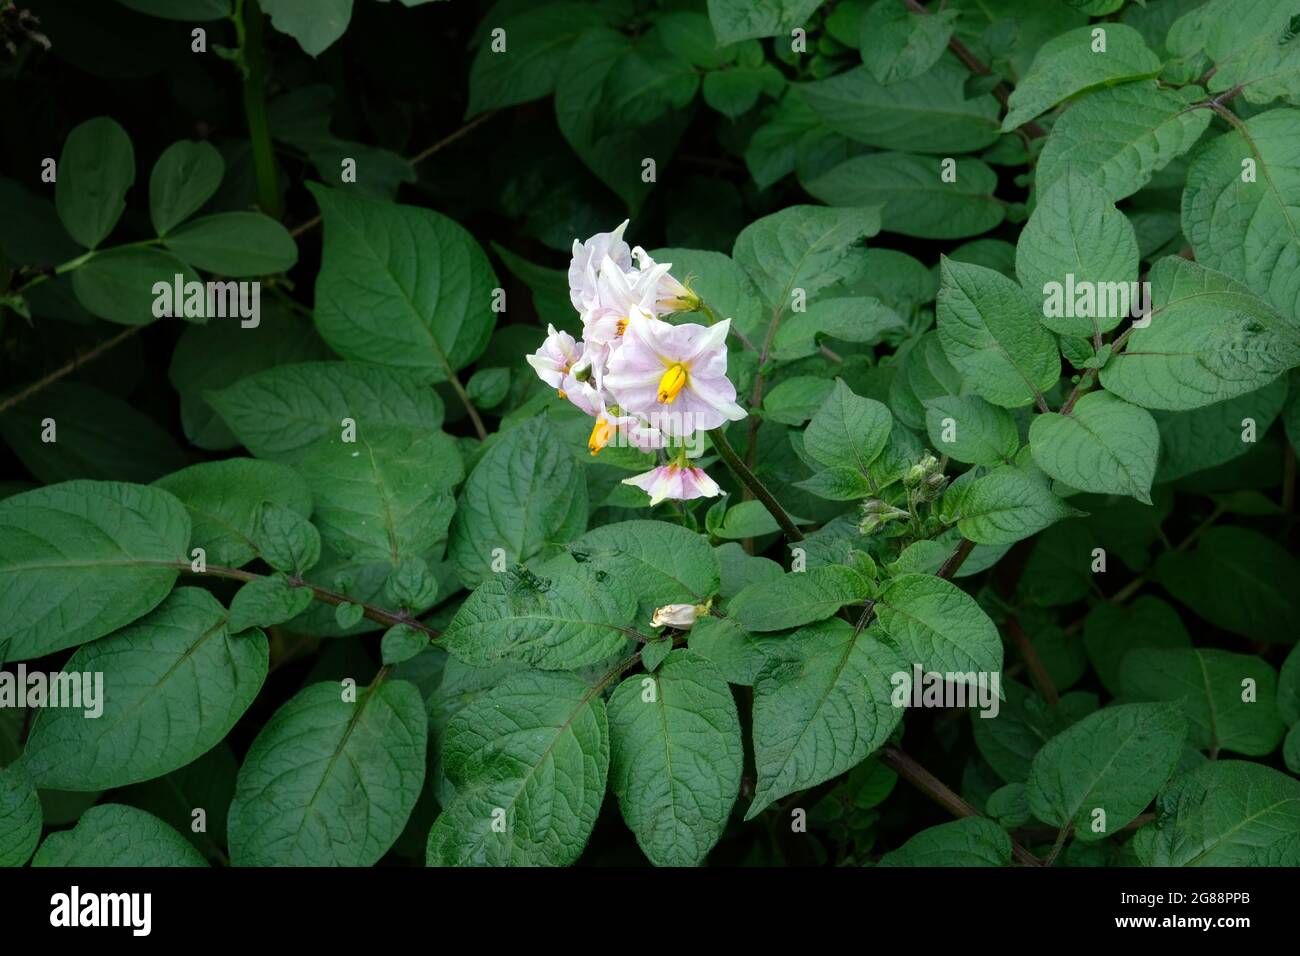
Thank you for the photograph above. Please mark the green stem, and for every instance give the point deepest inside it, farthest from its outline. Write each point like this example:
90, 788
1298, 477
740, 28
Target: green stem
752, 482
259, 128
324, 595
465, 400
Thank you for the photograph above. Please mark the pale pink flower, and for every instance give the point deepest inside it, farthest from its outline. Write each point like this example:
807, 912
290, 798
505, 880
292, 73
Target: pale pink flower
589, 260
674, 375
584, 395
558, 354
621, 298
679, 482
669, 295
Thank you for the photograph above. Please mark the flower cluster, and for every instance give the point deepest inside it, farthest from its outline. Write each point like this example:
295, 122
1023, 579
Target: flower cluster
647, 383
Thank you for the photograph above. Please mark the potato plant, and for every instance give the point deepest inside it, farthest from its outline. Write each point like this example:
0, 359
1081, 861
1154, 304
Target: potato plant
560, 432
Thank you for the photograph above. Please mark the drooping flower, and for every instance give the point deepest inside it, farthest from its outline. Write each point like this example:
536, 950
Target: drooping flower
612, 423
679, 482
670, 295
557, 356
589, 261
680, 616
583, 395
674, 375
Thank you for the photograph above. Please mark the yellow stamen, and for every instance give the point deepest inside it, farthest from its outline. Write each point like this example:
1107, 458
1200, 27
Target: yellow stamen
561, 393
600, 435
622, 326
673, 381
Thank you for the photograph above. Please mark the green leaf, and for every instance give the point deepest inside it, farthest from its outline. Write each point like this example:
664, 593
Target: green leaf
1209, 339
571, 620
112, 834
735, 20
1249, 230
401, 643
183, 179
654, 652
20, 816
533, 753
1223, 713
223, 499
1003, 507
235, 244
536, 43
207, 783
1111, 632
118, 284
81, 559
803, 247
973, 841
1122, 136
898, 44
401, 286
936, 624
735, 91
856, 319
664, 562
215, 356
330, 782
1225, 813
488, 387
1009, 740
797, 598
969, 429
675, 758
1077, 239
927, 114
747, 519
991, 331
1104, 445
386, 495
611, 133
738, 655
1075, 62
173, 684
848, 431
795, 400
315, 24
284, 538
267, 601
1114, 761
913, 196
1252, 44
96, 169
1202, 438
820, 708
525, 494
1288, 688
1239, 581
96, 435
283, 411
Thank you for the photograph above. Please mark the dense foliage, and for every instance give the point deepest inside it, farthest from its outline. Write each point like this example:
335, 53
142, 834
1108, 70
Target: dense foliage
330, 397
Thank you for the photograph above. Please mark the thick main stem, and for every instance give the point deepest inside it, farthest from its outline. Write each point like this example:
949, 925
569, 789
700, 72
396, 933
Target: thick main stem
259, 128
923, 780
752, 482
